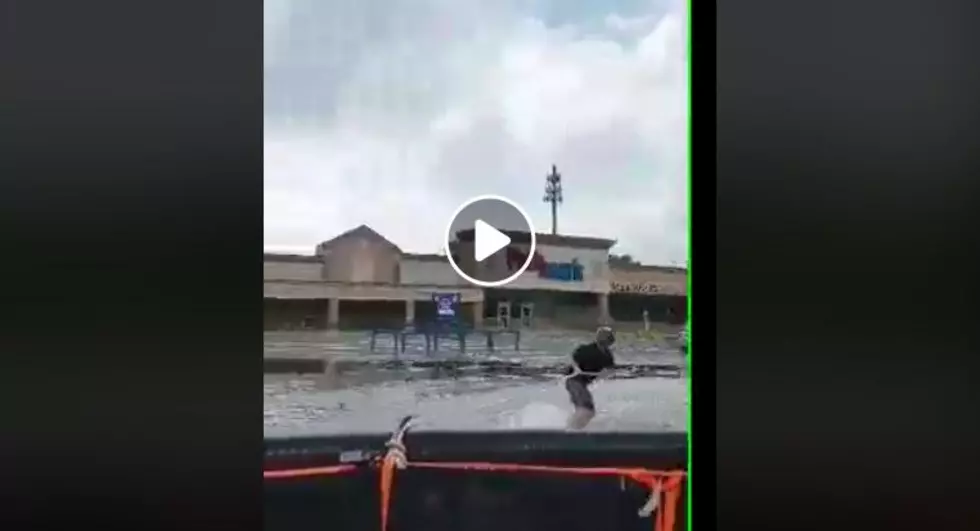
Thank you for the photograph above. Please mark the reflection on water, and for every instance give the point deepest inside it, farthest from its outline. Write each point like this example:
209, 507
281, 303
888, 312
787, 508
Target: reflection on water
354, 396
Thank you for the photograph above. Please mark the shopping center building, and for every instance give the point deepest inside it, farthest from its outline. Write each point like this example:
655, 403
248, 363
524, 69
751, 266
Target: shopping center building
360, 279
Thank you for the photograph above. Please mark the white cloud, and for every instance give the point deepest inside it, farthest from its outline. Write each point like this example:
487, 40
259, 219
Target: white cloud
393, 113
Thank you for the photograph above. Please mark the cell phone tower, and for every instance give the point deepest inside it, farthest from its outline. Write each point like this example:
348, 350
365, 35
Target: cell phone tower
553, 195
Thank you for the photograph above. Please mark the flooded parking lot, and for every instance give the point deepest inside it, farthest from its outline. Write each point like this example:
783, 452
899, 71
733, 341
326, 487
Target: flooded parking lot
363, 391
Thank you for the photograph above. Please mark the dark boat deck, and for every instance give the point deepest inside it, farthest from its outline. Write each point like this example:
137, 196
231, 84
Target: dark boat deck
457, 500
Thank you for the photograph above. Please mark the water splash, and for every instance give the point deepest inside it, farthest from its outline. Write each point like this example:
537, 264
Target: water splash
541, 416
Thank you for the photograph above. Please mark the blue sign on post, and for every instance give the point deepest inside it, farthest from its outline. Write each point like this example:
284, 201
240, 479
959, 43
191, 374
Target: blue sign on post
447, 306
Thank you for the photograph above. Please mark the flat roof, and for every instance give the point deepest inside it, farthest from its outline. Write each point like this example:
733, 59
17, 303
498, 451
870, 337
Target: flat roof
645, 267
560, 240
296, 258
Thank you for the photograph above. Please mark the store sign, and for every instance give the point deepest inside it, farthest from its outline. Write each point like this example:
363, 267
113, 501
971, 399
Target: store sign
561, 271
641, 288
447, 304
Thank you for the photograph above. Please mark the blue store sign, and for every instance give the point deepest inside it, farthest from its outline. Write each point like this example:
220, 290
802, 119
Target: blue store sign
567, 271
562, 271
447, 305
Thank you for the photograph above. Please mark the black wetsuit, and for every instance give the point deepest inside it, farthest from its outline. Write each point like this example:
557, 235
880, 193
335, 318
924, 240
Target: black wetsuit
589, 357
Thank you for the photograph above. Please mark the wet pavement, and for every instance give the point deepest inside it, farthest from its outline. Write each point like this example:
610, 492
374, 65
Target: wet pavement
364, 391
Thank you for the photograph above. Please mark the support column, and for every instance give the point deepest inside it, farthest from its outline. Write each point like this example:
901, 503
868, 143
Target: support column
478, 314
409, 311
604, 317
333, 313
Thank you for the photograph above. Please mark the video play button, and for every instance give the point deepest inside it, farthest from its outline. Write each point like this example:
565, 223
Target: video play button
490, 241
487, 240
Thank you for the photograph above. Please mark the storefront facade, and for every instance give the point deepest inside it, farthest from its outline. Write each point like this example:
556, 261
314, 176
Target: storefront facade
361, 280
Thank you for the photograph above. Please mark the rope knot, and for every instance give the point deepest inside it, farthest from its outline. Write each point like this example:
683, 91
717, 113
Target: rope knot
396, 457
397, 453
653, 502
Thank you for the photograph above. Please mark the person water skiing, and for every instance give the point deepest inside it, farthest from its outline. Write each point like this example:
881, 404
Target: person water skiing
588, 361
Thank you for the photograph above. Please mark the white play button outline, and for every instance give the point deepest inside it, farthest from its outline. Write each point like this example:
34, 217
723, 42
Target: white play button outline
487, 240
449, 237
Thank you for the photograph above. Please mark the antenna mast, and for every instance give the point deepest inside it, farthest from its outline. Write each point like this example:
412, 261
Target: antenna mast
553, 195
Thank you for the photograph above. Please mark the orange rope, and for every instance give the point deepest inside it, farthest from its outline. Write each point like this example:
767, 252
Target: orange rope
666, 483
308, 472
672, 495
388, 466
663, 483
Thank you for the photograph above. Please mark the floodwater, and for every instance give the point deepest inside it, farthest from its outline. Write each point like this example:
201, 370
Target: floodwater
361, 393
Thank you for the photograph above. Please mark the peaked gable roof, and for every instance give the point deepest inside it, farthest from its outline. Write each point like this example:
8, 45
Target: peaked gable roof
362, 232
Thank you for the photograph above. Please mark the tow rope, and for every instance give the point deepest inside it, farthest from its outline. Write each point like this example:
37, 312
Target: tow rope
576, 371
665, 486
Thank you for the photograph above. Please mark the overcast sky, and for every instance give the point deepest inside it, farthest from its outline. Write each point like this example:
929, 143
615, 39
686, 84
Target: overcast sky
391, 113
